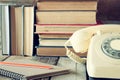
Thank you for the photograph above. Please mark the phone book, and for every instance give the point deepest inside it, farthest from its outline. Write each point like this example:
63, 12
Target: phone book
24, 68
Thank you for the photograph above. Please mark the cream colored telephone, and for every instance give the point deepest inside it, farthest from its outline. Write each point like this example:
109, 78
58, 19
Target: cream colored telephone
80, 39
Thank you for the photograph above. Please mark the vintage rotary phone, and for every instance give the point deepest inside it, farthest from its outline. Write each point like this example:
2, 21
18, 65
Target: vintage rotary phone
80, 40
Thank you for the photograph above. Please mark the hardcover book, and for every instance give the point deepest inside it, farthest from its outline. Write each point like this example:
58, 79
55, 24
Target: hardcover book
16, 23
67, 5
52, 41
5, 29
28, 30
0, 28
54, 51
66, 17
60, 27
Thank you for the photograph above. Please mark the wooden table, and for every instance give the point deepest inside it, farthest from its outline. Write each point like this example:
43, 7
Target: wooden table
78, 71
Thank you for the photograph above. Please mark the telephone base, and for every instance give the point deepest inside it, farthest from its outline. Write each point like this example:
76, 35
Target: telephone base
101, 66
90, 78
94, 78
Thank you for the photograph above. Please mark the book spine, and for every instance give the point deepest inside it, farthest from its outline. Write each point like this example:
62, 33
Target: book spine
55, 33
13, 75
22, 32
67, 25
62, 17
5, 30
0, 27
28, 30
67, 5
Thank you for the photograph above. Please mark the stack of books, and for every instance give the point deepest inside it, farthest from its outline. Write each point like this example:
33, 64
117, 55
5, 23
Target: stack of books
16, 23
57, 20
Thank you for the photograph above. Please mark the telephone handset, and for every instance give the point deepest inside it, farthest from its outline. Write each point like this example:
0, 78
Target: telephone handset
80, 39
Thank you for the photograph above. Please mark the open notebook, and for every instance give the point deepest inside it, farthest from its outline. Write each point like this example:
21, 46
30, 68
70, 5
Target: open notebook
20, 70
